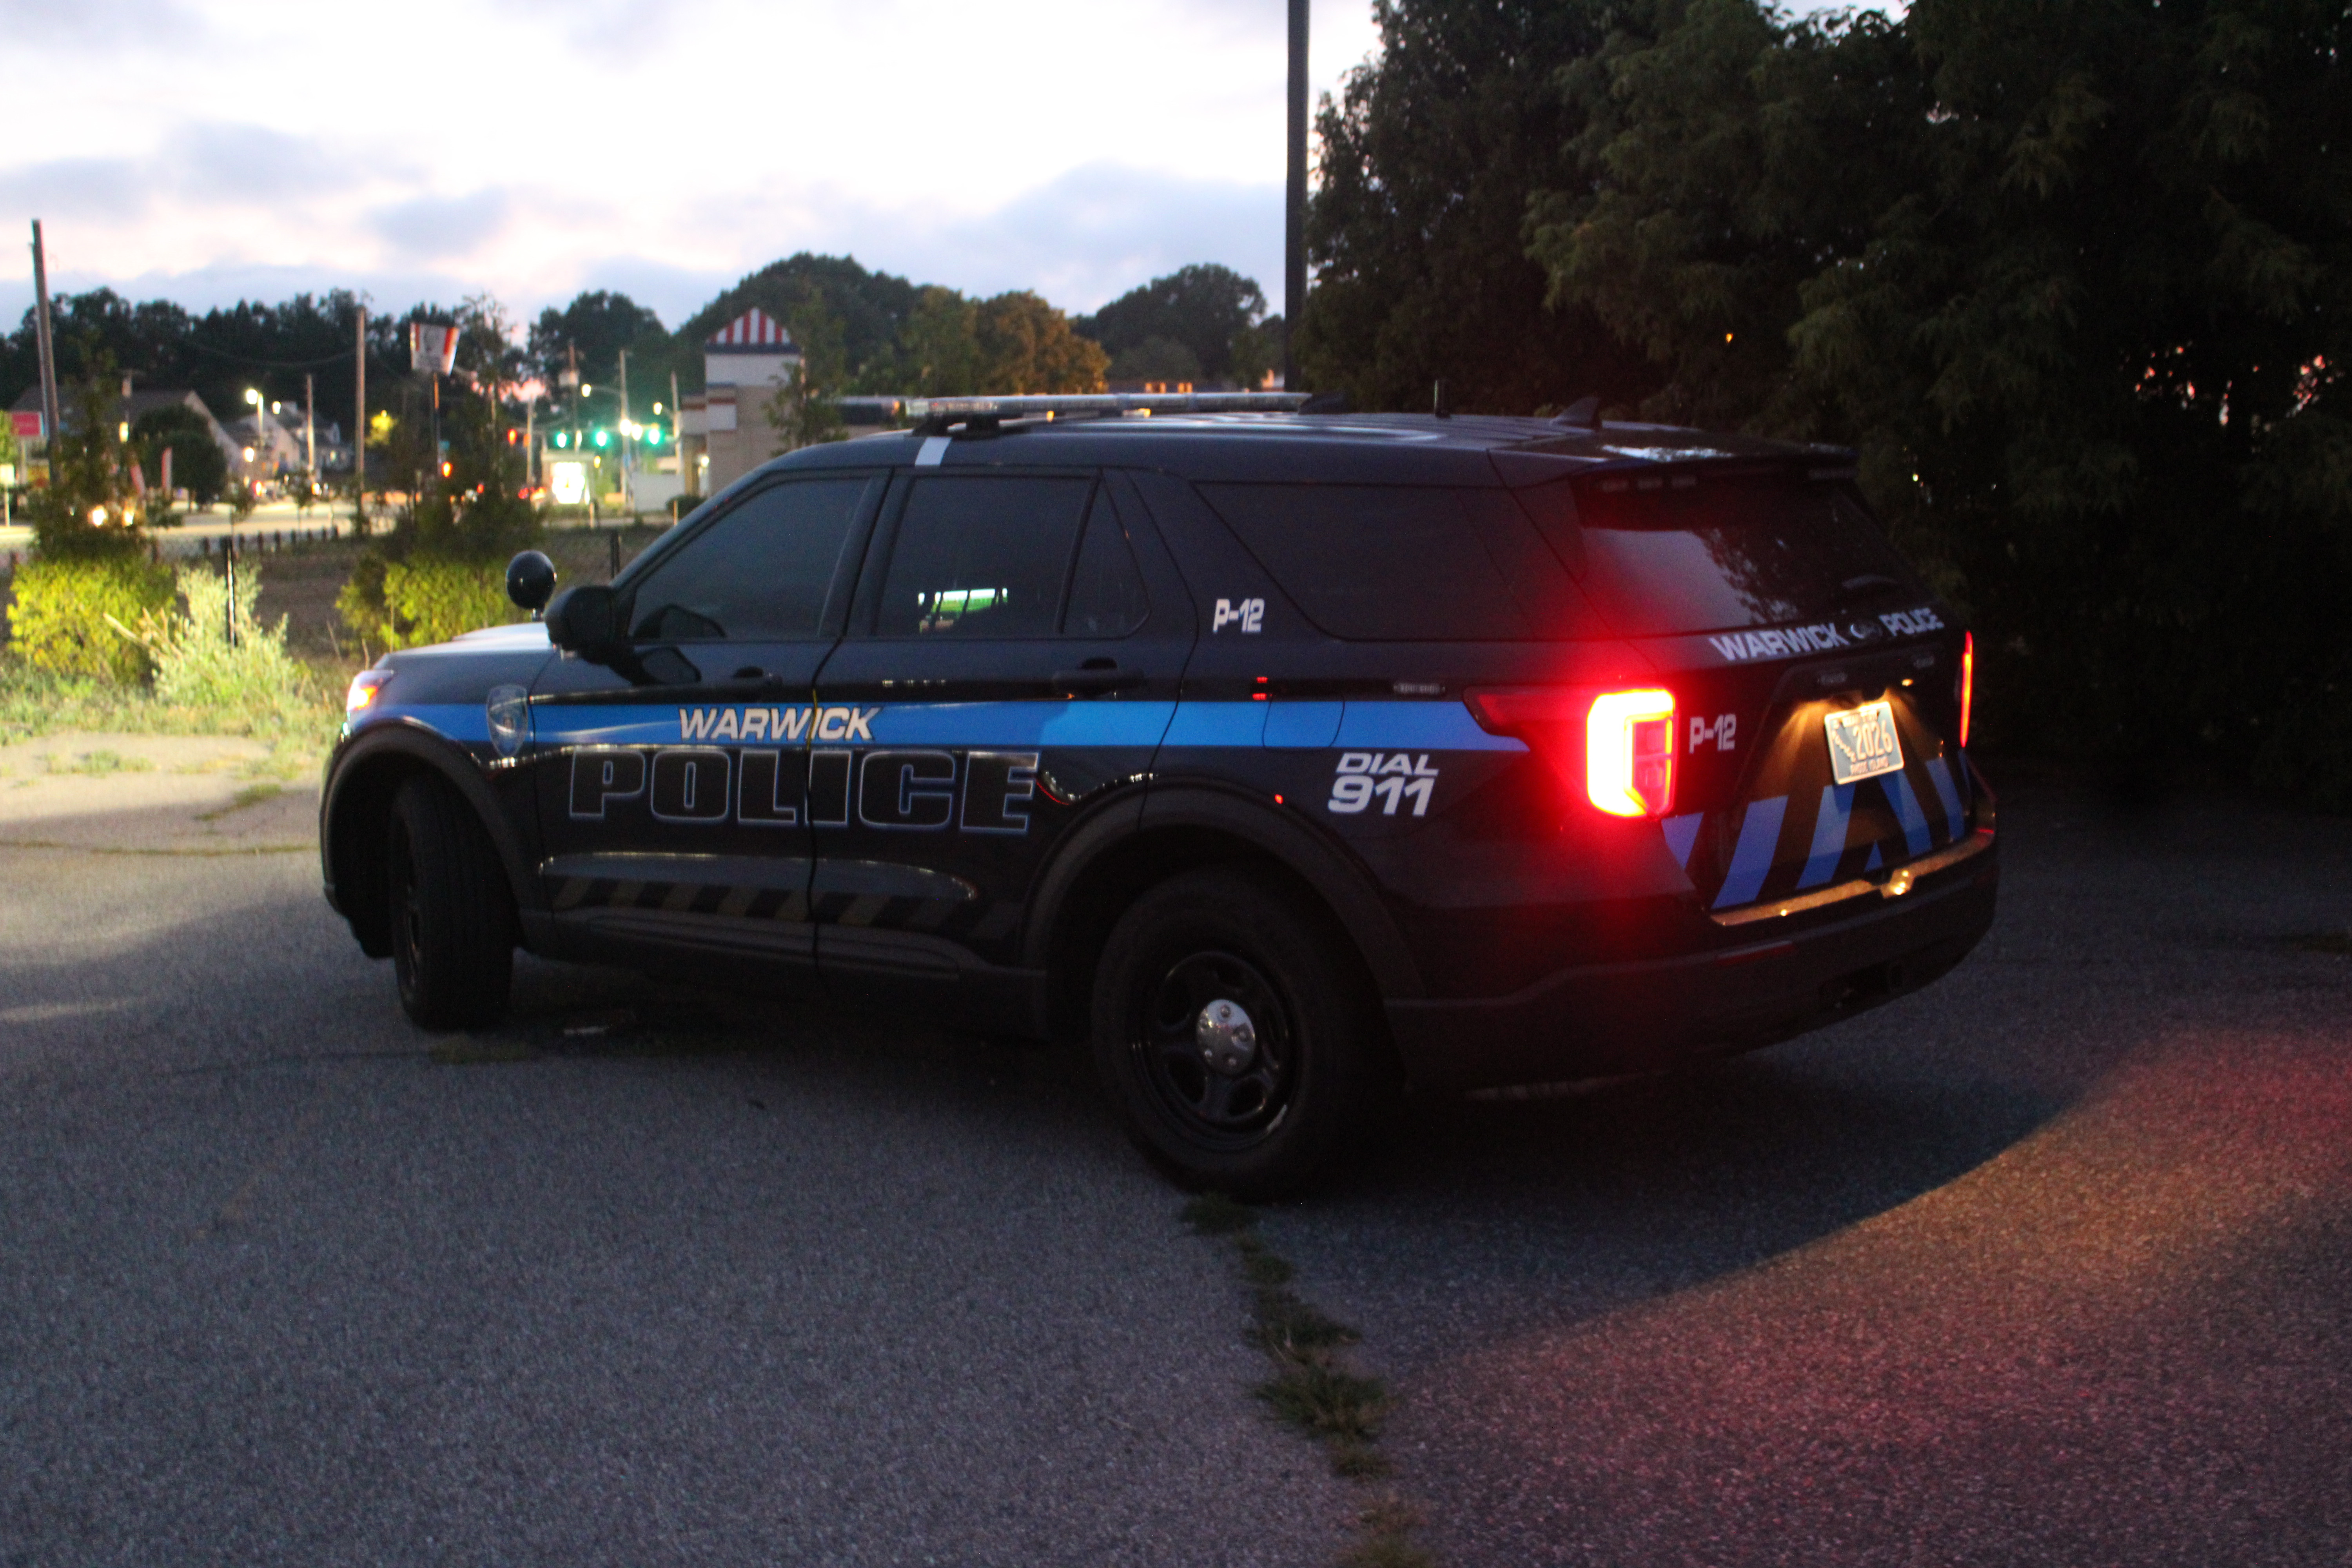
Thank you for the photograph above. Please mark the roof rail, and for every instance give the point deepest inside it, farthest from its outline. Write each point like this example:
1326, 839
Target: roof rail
937, 415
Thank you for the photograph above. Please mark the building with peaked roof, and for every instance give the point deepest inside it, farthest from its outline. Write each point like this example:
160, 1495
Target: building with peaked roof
129, 408
725, 432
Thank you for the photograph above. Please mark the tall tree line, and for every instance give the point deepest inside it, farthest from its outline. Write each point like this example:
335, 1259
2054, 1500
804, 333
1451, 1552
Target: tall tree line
2074, 275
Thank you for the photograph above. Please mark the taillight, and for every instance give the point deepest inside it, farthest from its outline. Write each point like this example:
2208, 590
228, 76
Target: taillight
1967, 682
1629, 752
1628, 740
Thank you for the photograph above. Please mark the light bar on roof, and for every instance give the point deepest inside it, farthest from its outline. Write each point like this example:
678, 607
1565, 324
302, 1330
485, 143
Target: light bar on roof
936, 413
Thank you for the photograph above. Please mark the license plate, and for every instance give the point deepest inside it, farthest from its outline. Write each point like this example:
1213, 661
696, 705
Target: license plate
1863, 742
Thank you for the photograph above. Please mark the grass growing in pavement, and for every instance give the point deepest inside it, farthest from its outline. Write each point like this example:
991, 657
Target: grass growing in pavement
1312, 1389
99, 763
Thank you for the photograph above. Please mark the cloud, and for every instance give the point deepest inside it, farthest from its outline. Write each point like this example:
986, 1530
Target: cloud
112, 25
444, 227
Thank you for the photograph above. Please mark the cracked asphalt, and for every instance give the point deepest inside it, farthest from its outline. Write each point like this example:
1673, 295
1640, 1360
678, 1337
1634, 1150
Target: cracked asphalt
2050, 1263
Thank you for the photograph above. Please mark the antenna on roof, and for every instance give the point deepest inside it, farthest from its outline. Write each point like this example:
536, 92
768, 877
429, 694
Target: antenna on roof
1584, 414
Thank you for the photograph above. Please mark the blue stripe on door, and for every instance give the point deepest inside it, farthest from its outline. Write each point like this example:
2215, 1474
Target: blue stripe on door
1138, 724
1829, 835
1751, 859
1907, 812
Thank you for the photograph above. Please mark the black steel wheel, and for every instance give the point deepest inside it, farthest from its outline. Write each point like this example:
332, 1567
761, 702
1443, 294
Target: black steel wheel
1236, 1033
452, 912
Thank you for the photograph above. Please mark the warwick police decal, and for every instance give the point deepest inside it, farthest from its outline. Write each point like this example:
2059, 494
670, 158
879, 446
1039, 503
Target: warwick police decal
1786, 642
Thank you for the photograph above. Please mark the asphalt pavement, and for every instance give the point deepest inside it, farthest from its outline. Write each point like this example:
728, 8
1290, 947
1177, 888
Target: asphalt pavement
2046, 1265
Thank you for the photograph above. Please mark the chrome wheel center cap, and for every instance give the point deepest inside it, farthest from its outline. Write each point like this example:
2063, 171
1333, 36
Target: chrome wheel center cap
1227, 1038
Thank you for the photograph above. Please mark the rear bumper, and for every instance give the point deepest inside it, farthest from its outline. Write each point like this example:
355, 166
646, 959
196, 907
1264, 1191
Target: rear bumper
1601, 1019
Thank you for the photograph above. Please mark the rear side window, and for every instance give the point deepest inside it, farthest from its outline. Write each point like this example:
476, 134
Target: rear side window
982, 556
760, 573
1106, 597
1406, 564
1666, 554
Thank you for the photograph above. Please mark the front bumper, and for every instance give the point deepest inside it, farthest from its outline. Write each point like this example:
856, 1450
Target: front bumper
1595, 1020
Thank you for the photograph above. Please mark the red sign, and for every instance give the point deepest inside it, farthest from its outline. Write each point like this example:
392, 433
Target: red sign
25, 424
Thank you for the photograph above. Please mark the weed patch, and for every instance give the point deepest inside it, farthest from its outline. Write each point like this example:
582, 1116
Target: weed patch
99, 763
251, 794
464, 1053
1311, 1388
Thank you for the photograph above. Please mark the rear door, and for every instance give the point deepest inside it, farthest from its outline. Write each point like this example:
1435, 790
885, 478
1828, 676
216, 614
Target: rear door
671, 777
1010, 668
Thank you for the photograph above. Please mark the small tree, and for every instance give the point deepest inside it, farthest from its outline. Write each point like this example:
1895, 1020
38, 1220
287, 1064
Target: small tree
88, 508
805, 412
198, 464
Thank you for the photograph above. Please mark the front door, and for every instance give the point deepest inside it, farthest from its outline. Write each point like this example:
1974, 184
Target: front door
1011, 663
670, 775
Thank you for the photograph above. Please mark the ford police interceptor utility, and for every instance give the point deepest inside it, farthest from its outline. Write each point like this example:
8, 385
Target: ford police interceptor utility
1286, 757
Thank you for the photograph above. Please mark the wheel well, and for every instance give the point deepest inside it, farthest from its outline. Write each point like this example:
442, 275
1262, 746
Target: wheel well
1119, 876
358, 843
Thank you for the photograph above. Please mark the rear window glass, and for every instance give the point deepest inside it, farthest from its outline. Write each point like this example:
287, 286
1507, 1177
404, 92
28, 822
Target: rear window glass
1678, 553
1402, 563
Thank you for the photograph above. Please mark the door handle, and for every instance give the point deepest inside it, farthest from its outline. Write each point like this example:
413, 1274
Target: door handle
1093, 682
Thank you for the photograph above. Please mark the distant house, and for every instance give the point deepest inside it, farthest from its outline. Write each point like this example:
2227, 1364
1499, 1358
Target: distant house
132, 405
724, 432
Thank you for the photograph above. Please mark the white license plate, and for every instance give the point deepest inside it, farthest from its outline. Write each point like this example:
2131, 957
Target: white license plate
1863, 742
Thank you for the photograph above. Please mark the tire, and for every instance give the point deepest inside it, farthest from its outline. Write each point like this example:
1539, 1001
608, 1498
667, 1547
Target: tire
1255, 1114
452, 913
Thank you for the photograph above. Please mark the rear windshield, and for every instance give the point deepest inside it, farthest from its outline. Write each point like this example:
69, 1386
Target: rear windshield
1667, 555
1407, 564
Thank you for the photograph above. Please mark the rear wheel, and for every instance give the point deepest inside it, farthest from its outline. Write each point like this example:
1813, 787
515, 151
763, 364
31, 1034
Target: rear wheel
1236, 1034
452, 913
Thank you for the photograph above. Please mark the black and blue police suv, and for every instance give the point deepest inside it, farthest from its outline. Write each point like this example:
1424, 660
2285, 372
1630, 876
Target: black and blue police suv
1289, 757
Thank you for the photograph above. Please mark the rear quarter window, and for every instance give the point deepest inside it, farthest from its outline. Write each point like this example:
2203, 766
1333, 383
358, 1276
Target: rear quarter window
1406, 564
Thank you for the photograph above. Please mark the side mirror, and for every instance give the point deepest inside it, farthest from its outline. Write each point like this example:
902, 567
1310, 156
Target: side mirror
584, 619
530, 578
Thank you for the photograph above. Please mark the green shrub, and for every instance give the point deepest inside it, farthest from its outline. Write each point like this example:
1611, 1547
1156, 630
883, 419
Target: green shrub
256, 684
425, 600
73, 616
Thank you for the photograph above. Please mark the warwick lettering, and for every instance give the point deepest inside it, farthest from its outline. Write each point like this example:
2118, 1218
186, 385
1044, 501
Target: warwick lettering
775, 724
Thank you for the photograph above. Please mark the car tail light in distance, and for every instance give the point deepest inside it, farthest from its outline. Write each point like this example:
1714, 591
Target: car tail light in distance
1967, 682
364, 686
1628, 740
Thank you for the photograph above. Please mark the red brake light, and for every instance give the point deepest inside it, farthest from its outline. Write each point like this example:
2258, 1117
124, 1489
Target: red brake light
1627, 738
1967, 682
1629, 752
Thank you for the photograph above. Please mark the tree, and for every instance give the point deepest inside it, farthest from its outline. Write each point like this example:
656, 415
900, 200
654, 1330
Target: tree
1416, 229
1024, 345
87, 508
1204, 309
804, 411
2076, 279
198, 464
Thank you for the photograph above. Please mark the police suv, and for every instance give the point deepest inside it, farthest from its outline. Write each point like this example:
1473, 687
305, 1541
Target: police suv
1285, 757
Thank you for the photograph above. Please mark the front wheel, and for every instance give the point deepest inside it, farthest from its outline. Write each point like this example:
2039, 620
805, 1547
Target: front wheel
1234, 1031
452, 913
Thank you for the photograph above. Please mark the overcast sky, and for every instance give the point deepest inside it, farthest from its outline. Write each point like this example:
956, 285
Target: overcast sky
204, 152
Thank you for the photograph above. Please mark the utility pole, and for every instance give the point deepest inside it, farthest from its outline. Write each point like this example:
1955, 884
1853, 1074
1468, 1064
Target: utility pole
47, 350
309, 432
1293, 223
628, 491
359, 427
678, 437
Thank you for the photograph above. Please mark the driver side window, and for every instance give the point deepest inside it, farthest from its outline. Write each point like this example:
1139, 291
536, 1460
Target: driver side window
759, 573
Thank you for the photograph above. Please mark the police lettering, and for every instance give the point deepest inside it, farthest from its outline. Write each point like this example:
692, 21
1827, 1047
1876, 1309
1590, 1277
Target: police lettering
917, 791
